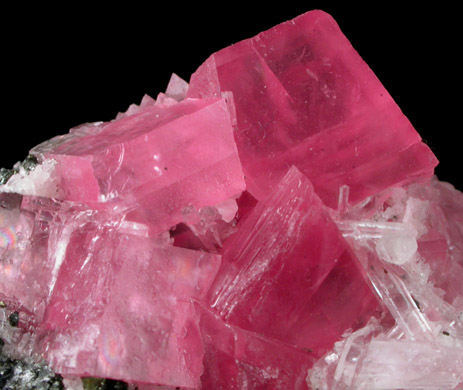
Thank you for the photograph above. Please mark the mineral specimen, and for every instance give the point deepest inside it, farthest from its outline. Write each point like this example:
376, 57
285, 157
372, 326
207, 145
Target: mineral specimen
273, 224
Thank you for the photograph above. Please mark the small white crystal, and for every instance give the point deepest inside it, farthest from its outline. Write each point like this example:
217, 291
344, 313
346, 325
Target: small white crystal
398, 247
39, 182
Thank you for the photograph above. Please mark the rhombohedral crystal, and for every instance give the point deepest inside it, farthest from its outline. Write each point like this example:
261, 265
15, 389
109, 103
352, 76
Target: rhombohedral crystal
272, 224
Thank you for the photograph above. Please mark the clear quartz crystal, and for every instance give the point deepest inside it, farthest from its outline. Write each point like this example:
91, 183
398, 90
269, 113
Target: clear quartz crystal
423, 348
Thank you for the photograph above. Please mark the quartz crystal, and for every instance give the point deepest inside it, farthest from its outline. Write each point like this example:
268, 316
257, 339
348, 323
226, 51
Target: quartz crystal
272, 224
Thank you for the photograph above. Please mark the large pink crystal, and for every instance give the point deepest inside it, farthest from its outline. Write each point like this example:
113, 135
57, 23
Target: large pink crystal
156, 161
288, 273
304, 97
120, 308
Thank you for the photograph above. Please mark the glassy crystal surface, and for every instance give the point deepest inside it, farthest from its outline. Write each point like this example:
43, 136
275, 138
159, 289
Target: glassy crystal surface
273, 224
238, 359
122, 301
304, 97
155, 161
289, 274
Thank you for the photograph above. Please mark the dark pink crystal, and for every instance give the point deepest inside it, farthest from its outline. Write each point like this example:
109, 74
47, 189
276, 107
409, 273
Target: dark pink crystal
304, 97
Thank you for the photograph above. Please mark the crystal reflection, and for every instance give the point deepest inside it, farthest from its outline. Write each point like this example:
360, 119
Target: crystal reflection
112, 349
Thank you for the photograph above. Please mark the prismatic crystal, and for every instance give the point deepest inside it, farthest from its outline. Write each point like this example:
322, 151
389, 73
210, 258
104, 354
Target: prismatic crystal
272, 224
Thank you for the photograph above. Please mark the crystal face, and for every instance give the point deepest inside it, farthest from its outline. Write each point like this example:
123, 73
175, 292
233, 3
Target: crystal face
283, 272
304, 97
272, 224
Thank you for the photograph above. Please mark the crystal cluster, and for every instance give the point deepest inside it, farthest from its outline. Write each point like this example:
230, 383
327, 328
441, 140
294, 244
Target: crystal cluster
272, 224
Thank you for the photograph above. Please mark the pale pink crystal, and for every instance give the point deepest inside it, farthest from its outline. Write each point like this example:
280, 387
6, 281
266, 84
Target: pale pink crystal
146, 101
442, 244
408, 240
237, 359
156, 161
26, 271
177, 88
120, 308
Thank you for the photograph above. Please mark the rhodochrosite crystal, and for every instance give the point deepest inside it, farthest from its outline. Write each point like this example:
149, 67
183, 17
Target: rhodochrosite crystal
273, 224
155, 161
305, 97
288, 273
237, 359
124, 302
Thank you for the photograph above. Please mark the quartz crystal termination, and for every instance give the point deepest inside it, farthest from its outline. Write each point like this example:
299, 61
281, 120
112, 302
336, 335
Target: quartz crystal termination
274, 224
409, 241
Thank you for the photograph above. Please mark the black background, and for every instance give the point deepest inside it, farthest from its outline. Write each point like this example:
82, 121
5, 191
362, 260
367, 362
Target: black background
63, 67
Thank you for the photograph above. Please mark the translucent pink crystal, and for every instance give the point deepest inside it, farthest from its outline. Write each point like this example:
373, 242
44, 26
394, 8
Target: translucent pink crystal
26, 270
155, 162
120, 308
138, 250
236, 359
288, 273
304, 97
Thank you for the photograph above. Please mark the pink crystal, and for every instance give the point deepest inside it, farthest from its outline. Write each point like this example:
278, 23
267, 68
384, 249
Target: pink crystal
154, 160
304, 97
288, 273
236, 359
137, 249
95, 326
26, 272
